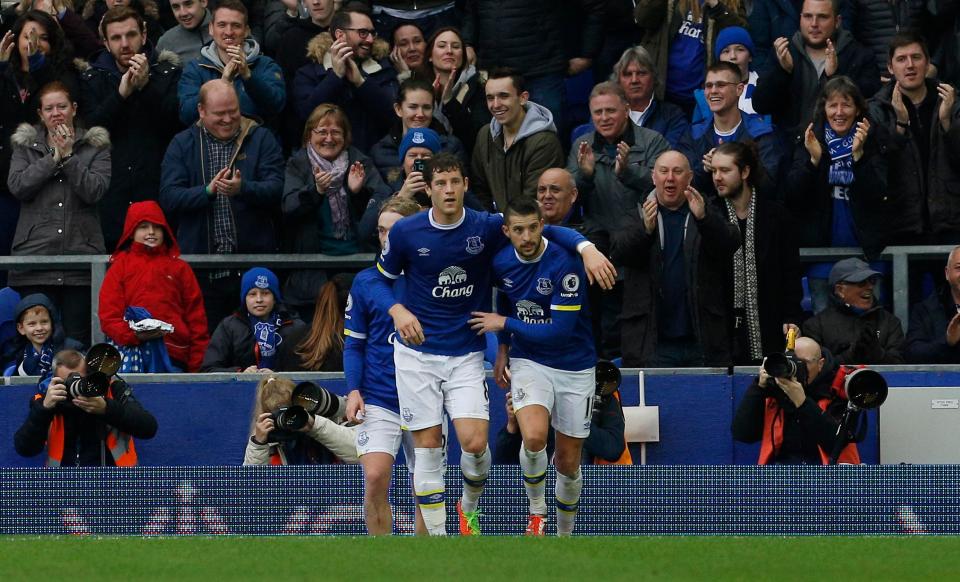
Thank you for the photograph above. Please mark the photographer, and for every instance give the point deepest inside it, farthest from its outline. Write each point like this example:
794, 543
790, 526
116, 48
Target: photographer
83, 431
796, 418
320, 441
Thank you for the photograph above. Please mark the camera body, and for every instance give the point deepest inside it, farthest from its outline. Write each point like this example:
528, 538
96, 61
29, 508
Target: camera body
608, 379
786, 365
103, 361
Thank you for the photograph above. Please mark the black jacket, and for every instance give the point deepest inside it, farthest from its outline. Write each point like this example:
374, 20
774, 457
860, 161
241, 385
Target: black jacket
874, 23
790, 97
778, 276
231, 347
708, 247
85, 434
804, 429
527, 35
873, 337
141, 126
809, 197
927, 336
934, 185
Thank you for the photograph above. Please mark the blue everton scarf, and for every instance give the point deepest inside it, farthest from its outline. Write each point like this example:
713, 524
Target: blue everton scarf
267, 339
38, 363
841, 156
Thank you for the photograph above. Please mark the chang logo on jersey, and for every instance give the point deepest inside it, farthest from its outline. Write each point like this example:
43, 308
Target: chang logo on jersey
474, 245
544, 286
531, 312
450, 283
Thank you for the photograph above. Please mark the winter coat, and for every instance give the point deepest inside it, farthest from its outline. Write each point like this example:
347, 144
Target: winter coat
369, 107
158, 280
386, 152
778, 273
839, 329
16, 350
307, 217
85, 436
186, 43
497, 176
935, 185
263, 95
809, 196
699, 140
791, 97
140, 126
660, 20
94, 10
927, 337
946, 39
527, 35
806, 432
58, 201
875, 22
605, 196
708, 248
467, 109
232, 347
184, 198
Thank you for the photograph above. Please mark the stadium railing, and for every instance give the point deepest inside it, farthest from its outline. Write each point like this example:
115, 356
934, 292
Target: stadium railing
97, 264
900, 256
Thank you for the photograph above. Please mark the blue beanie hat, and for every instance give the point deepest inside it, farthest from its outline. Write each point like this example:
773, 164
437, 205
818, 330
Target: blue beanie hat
732, 35
419, 137
261, 278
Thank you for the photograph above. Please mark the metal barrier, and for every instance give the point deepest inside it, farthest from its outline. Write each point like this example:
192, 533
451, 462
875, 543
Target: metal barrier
98, 268
900, 256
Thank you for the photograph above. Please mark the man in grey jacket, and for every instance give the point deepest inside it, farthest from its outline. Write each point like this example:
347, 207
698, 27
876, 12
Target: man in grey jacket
612, 164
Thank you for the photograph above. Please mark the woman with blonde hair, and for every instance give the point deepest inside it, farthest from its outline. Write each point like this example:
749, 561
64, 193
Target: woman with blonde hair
320, 441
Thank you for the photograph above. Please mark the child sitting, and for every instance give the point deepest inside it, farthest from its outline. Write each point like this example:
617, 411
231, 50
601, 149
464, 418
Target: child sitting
146, 271
261, 336
40, 337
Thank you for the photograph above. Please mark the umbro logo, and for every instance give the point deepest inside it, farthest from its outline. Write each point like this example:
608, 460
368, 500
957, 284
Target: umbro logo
507, 282
424, 251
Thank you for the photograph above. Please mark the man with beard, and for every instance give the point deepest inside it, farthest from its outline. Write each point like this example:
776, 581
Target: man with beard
765, 282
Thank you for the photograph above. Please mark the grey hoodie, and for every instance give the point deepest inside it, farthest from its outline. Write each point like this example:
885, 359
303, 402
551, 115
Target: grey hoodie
537, 119
186, 43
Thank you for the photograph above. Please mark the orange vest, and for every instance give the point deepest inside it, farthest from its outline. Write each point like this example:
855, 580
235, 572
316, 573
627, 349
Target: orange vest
120, 444
773, 427
625, 458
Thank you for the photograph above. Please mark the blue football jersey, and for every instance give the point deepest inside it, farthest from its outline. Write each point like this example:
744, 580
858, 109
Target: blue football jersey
374, 327
549, 318
447, 272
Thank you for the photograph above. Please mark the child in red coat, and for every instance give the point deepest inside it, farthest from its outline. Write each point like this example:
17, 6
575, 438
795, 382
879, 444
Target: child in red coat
146, 271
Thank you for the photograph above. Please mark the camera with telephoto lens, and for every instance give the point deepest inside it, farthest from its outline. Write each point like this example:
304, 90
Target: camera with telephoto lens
608, 379
103, 361
307, 398
786, 364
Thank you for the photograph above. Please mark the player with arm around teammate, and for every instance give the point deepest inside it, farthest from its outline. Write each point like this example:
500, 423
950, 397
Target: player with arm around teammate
445, 255
547, 342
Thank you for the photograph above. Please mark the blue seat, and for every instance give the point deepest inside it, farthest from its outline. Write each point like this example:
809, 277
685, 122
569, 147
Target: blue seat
806, 303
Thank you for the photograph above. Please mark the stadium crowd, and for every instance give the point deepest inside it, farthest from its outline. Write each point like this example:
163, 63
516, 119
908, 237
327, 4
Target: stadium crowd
696, 144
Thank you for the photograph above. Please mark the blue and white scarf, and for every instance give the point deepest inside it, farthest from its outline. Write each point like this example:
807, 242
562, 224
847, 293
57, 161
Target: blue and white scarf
38, 363
267, 340
841, 156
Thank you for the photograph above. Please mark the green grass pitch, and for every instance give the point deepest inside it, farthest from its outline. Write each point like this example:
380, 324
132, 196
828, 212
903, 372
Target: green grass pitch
590, 559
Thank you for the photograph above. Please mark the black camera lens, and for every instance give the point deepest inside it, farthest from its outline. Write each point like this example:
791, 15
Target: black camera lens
317, 400
608, 377
779, 365
90, 387
290, 418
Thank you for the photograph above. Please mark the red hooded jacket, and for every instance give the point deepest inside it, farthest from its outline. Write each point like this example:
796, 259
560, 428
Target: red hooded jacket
159, 281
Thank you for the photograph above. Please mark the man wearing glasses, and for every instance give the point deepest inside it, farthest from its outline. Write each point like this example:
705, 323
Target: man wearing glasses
351, 74
722, 90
